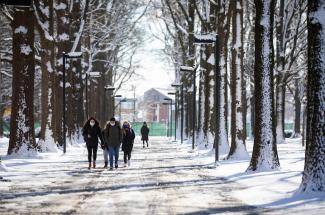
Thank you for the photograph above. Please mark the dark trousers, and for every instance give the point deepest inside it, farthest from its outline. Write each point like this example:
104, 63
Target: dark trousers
127, 156
92, 150
144, 143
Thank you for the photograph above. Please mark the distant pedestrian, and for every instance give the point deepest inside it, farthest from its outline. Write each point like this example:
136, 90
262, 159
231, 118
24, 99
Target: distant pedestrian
145, 134
128, 137
113, 137
91, 132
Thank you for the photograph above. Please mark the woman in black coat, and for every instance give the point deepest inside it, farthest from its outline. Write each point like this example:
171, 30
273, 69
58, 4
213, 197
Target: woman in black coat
145, 134
128, 137
91, 132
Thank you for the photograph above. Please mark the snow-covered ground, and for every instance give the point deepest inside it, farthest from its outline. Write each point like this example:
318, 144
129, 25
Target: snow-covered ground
273, 189
167, 178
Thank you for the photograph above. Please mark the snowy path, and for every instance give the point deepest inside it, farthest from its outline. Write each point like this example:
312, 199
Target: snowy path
163, 179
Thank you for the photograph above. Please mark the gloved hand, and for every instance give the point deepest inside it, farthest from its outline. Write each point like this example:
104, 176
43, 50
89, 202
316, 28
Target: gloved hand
102, 146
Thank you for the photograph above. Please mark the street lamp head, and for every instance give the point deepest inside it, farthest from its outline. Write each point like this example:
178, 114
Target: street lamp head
171, 93
118, 96
73, 54
108, 87
165, 103
177, 85
204, 39
94, 74
187, 69
167, 99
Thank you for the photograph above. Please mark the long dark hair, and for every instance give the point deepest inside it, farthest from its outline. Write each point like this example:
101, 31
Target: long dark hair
87, 123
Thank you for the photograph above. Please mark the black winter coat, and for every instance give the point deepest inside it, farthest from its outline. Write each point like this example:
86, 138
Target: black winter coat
128, 140
144, 133
91, 135
112, 135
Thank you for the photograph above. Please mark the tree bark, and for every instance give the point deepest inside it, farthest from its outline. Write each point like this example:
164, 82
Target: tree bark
62, 45
313, 179
22, 134
1, 104
223, 34
265, 156
48, 74
237, 148
297, 132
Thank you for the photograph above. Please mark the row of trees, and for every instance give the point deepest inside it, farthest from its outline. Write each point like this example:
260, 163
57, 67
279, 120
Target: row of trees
33, 40
263, 55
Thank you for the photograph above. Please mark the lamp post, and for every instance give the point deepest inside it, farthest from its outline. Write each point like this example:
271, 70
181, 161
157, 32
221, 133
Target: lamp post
210, 39
193, 70
109, 88
64, 57
120, 104
170, 115
175, 124
116, 96
182, 109
168, 120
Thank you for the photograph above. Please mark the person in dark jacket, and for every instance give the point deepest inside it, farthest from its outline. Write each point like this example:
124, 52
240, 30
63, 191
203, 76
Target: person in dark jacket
113, 137
145, 134
128, 137
91, 132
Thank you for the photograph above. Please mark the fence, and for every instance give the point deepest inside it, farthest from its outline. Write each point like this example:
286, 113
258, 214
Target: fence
156, 129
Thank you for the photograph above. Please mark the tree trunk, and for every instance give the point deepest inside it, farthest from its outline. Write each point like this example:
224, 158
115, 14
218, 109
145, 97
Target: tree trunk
190, 62
297, 132
313, 179
280, 85
2, 106
280, 109
63, 45
265, 156
22, 134
75, 98
237, 148
47, 66
222, 27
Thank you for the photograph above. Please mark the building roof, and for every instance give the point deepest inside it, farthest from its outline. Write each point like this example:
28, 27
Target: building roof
155, 95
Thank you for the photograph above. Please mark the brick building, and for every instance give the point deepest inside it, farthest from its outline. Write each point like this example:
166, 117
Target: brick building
152, 106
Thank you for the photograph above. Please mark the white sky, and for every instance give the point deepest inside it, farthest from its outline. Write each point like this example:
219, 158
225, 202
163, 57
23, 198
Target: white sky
154, 69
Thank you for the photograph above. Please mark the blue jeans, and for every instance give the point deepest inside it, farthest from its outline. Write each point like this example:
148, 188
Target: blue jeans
113, 152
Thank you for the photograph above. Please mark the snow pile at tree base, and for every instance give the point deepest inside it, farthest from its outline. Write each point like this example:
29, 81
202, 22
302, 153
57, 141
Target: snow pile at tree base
48, 146
240, 153
24, 152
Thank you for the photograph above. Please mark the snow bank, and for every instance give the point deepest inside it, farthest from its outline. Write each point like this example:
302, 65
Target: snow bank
269, 189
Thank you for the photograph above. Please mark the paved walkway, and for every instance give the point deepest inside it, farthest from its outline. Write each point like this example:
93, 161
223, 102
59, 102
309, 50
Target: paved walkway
161, 180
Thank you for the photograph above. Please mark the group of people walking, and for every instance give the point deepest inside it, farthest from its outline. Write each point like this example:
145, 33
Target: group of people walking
111, 138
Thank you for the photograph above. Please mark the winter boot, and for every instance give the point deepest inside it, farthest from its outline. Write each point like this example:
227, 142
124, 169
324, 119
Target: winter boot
94, 164
89, 165
124, 164
106, 163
